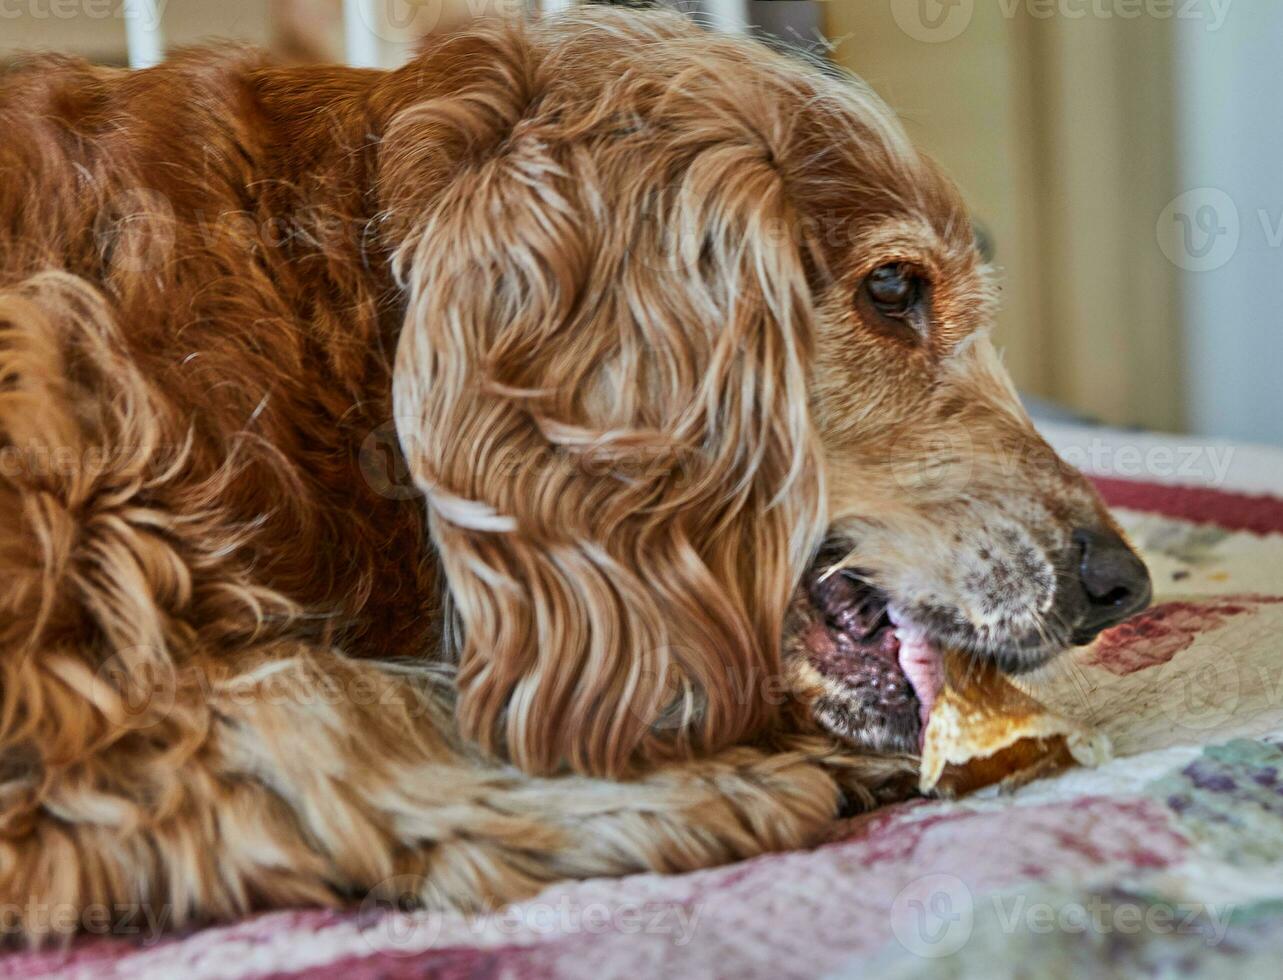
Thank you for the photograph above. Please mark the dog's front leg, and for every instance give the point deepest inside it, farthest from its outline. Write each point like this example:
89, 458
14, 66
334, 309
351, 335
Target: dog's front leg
367, 759
296, 776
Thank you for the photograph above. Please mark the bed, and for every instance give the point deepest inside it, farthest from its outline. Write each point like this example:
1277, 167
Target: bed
1167, 860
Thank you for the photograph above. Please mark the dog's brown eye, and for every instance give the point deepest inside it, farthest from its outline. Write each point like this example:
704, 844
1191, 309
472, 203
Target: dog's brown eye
895, 299
895, 289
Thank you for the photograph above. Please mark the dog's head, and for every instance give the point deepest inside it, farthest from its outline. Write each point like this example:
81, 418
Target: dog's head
691, 325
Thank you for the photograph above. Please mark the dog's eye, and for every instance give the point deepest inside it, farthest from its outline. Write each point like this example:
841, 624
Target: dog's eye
895, 289
895, 298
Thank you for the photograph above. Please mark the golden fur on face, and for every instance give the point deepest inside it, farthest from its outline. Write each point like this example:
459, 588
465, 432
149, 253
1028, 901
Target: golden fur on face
600, 275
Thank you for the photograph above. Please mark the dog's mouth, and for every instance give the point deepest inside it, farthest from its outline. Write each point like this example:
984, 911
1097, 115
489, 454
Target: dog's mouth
872, 669
879, 672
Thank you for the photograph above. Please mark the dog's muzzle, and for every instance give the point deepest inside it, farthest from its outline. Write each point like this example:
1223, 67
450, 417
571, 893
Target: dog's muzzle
880, 667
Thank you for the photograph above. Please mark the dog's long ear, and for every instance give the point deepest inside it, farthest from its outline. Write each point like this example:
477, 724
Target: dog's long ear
600, 388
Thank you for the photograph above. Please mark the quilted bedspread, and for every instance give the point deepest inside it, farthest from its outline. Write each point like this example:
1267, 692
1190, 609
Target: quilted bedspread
1167, 861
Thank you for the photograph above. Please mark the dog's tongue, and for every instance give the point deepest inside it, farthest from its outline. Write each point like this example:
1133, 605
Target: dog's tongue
923, 665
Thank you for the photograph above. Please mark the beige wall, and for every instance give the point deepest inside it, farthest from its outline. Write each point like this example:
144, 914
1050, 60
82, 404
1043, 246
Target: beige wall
96, 28
963, 103
33, 26
1059, 133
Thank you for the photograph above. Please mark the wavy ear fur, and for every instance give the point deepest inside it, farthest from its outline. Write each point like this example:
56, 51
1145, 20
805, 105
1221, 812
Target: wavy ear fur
601, 391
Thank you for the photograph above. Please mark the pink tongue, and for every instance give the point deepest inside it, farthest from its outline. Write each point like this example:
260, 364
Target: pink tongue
921, 663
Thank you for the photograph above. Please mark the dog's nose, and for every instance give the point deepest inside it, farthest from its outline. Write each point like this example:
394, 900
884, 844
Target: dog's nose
1115, 580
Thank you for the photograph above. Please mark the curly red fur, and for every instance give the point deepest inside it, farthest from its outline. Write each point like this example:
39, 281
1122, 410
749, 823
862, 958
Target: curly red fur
587, 269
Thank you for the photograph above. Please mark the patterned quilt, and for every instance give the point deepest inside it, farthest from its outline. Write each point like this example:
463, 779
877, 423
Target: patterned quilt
1167, 861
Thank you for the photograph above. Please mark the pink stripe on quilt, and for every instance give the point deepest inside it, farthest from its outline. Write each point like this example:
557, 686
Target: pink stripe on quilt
1258, 513
802, 913
806, 913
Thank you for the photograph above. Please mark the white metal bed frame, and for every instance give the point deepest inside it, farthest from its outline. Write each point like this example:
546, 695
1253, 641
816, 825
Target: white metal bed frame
146, 39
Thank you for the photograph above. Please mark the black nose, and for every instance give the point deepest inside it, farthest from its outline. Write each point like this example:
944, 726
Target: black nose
1115, 580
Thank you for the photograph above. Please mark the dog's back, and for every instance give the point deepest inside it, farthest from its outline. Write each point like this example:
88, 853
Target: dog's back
217, 210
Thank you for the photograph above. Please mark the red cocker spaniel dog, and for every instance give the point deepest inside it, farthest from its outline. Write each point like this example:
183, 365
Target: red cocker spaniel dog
562, 456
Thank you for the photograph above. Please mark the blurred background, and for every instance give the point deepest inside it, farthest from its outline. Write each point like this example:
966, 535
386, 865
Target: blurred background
1124, 159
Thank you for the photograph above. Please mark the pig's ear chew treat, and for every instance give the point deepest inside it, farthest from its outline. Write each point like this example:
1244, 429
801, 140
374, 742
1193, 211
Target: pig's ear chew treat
983, 730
